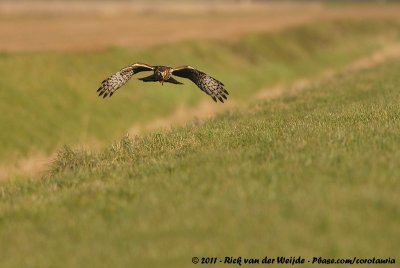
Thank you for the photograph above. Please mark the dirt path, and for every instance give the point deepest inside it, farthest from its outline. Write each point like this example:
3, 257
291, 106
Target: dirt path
391, 51
78, 26
35, 166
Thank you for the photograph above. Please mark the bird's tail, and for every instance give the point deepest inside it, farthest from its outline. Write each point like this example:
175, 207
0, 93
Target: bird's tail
173, 81
150, 78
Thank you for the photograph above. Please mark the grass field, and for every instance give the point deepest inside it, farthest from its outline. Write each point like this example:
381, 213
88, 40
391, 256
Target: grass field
38, 100
314, 174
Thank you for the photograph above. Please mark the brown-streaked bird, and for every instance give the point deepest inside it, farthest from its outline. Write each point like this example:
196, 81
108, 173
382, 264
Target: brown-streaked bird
211, 86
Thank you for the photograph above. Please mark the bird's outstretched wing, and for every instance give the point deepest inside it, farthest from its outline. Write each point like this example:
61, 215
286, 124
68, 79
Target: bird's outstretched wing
208, 84
115, 81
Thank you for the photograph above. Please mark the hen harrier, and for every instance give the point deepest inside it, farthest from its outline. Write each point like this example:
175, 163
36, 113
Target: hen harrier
206, 83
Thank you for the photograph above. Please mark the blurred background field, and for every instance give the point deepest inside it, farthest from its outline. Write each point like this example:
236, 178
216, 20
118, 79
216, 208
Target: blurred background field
307, 142
51, 62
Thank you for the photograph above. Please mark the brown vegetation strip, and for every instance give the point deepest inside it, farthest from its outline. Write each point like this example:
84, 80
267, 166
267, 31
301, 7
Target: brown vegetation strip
98, 26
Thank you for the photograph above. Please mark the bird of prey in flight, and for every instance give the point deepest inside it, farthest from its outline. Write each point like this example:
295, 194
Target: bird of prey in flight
211, 86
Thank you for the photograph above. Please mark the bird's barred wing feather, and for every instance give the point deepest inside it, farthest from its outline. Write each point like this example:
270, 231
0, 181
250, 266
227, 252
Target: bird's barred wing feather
206, 83
117, 80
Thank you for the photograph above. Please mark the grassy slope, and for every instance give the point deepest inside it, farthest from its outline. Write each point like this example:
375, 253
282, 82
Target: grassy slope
51, 99
312, 175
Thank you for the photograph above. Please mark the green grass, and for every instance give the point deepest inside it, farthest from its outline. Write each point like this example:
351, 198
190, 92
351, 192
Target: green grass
316, 174
48, 99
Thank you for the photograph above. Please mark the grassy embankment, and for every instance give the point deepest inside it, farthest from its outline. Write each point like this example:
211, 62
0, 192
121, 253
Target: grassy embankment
48, 98
314, 175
